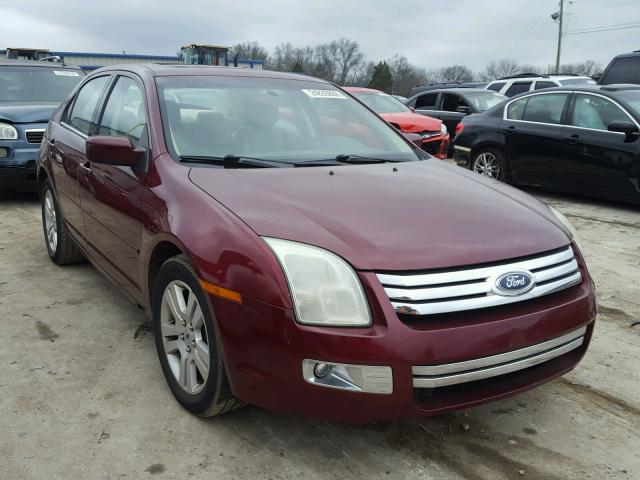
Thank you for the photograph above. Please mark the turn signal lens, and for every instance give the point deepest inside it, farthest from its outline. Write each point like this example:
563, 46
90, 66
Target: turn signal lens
459, 128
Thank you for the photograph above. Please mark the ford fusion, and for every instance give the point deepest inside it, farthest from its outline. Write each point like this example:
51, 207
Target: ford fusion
29, 94
296, 252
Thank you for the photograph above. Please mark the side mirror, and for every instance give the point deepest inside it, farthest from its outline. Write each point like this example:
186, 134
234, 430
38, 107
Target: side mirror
628, 128
414, 138
463, 109
413, 109
113, 151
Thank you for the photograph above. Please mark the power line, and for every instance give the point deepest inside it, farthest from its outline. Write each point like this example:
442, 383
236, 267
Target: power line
602, 30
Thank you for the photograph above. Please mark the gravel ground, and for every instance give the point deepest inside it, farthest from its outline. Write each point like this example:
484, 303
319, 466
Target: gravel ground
82, 394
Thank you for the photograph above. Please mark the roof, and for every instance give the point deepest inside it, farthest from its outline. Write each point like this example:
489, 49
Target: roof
459, 90
176, 69
34, 63
192, 45
534, 76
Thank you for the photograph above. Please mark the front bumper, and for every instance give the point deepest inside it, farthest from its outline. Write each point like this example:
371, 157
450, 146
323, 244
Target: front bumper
438, 146
265, 350
18, 159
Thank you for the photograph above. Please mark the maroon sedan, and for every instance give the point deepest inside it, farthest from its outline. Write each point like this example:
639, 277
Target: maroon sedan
296, 252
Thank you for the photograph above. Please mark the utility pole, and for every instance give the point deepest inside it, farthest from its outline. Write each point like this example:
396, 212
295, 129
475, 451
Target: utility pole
560, 18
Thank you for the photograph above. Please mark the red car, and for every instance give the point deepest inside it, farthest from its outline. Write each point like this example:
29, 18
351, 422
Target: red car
435, 138
339, 273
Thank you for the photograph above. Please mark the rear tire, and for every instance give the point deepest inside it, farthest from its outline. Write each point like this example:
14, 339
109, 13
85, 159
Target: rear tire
61, 247
490, 162
185, 339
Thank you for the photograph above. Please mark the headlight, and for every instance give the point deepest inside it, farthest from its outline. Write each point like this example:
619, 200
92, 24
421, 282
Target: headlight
324, 288
8, 132
443, 129
565, 221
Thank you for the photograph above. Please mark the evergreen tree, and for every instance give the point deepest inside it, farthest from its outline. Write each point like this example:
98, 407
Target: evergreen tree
381, 78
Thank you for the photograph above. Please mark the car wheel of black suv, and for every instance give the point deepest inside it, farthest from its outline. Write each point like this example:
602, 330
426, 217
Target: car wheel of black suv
61, 247
185, 338
490, 162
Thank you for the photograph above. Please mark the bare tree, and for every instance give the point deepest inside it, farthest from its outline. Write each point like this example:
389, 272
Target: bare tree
501, 68
249, 51
454, 73
587, 68
405, 75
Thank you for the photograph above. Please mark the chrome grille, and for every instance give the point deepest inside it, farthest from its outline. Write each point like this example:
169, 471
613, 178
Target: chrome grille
486, 367
34, 136
473, 288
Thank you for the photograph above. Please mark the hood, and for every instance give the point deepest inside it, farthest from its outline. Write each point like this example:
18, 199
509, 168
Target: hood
27, 112
413, 122
424, 215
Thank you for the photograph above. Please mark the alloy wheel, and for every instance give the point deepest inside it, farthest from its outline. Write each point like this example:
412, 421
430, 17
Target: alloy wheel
487, 164
50, 221
184, 337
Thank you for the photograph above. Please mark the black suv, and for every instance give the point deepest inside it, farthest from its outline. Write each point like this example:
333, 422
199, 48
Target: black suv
581, 139
623, 68
29, 93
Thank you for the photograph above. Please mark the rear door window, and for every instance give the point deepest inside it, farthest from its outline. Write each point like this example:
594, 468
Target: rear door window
518, 87
451, 102
496, 87
540, 84
591, 111
427, 101
545, 108
83, 108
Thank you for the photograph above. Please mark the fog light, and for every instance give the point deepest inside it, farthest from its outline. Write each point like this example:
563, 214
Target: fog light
321, 370
4, 153
354, 378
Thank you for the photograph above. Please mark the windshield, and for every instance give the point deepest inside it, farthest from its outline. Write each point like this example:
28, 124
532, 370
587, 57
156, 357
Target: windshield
578, 81
380, 102
37, 84
632, 97
482, 101
273, 119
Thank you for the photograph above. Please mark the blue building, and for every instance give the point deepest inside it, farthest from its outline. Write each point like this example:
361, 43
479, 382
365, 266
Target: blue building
92, 60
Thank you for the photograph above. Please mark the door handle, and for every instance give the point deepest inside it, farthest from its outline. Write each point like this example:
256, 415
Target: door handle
572, 140
509, 129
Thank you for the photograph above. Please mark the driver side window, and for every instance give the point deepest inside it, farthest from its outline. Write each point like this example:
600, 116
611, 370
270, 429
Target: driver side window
124, 114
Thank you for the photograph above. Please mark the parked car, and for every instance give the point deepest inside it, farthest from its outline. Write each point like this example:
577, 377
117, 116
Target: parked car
623, 68
425, 87
435, 138
29, 93
526, 82
451, 105
584, 140
295, 251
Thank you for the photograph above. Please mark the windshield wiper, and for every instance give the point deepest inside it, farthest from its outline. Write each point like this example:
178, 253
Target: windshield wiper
363, 159
233, 160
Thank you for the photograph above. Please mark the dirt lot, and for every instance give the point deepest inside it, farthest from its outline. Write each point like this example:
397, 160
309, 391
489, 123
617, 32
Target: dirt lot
82, 394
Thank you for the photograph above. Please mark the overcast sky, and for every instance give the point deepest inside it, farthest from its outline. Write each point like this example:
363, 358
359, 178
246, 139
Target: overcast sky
431, 33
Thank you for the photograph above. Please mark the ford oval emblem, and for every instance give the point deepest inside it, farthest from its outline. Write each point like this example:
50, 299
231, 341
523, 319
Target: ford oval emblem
514, 283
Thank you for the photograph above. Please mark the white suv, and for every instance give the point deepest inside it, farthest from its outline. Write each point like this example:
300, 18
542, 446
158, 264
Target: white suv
526, 82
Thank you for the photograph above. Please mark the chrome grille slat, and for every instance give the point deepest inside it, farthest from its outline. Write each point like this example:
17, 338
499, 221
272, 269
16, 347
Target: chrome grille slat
472, 288
486, 367
34, 135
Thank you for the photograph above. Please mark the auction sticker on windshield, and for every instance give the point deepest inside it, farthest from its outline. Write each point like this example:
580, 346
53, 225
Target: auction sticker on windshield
66, 73
313, 93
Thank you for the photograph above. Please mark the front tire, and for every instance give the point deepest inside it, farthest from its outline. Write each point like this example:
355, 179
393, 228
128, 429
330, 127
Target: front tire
185, 339
491, 163
61, 247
